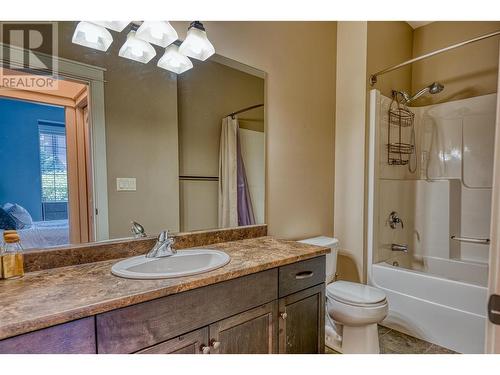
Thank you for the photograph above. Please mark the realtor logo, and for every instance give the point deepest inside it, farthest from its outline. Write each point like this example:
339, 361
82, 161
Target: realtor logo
28, 55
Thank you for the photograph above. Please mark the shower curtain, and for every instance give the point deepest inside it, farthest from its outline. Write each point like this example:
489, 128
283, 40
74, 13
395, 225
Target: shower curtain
235, 205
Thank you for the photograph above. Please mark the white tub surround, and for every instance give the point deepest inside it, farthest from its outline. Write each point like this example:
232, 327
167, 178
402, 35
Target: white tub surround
437, 289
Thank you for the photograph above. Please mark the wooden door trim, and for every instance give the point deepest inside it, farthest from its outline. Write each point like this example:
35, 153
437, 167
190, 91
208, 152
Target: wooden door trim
493, 331
37, 97
80, 216
72, 166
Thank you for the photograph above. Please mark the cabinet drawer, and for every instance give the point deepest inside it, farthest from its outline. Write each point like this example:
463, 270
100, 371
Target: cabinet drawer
77, 337
301, 275
136, 327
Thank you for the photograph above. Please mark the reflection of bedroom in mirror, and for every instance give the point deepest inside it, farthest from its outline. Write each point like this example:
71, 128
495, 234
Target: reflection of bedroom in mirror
45, 180
121, 141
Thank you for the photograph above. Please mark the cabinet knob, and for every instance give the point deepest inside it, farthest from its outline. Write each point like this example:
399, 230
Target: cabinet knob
215, 344
283, 315
205, 349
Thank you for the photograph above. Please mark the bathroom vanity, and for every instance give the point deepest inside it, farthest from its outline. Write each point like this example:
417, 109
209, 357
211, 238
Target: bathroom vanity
268, 299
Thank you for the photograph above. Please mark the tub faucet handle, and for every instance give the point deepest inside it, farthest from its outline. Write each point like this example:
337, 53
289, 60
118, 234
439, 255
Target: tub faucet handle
394, 220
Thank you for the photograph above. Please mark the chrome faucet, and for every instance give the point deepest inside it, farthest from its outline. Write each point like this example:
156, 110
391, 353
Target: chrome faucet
162, 247
398, 247
137, 230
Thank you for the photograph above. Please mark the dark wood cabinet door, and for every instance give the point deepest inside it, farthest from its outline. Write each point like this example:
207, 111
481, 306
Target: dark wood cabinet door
195, 342
302, 322
251, 332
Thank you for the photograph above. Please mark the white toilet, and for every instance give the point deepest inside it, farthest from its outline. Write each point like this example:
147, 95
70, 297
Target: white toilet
353, 310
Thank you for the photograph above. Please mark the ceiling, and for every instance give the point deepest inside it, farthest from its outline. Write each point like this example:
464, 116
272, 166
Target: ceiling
417, 24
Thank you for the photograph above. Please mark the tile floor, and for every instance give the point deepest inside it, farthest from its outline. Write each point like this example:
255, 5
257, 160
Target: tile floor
395, 342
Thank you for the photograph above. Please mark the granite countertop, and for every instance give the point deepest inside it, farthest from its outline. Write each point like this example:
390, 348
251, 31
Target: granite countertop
54, 296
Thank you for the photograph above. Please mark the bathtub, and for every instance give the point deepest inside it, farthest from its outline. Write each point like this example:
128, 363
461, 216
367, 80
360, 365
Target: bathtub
436, 305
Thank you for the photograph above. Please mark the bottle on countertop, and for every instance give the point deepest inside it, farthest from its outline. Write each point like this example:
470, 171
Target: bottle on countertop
12, 256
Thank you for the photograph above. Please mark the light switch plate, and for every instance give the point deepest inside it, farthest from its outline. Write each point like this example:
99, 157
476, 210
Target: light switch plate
126, 184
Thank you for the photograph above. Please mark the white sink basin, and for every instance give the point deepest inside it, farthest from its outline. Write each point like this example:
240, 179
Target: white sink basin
184, 263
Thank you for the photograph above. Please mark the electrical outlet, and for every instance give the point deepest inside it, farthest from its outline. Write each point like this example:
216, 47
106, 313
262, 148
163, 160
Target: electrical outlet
126, 184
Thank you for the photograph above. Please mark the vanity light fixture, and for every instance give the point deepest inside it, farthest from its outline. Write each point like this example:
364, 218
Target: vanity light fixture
197, 44
113, 25
90, 35
174, 61
142, 35
160, 33
136, 49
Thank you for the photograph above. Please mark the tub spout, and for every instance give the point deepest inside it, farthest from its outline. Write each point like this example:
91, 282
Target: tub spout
398, 247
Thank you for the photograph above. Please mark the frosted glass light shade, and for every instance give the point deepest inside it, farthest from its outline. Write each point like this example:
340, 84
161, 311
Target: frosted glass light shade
113, 25
90, 35
137, 49
160, 33
196, 44
174, 61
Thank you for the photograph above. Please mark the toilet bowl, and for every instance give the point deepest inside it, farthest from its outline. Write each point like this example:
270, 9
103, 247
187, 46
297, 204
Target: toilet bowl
353, 310
359, 308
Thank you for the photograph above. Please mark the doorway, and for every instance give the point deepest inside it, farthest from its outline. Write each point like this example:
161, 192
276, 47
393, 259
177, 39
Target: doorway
49, 134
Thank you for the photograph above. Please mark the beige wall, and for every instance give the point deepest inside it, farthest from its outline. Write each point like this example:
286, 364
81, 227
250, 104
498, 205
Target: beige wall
141, 136
206, 94
299, 59
389, 43
362, 48
349, 150
465, 72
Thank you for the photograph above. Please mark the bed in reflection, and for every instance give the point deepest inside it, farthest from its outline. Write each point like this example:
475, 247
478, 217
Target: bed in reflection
44, 234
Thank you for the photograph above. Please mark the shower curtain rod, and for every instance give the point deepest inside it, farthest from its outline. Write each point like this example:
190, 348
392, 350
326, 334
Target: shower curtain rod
373, 77
232, 114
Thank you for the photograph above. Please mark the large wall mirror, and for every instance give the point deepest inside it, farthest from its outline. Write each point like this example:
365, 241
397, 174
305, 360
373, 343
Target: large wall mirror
121, 141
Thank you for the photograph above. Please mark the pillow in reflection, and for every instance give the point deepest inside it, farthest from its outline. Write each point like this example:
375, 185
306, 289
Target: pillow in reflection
7, 221
21, 216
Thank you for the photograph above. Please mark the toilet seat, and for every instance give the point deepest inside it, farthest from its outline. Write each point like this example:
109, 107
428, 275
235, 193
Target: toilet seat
355, 304
355, 294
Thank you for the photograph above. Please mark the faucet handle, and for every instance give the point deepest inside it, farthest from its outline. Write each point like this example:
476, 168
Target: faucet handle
394, 220
137, 229
163, 236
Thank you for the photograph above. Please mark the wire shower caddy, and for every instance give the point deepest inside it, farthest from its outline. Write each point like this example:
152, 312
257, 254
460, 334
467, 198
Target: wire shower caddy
399, 152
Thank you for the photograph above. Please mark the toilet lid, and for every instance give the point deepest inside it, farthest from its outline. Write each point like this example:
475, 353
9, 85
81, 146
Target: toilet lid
346, 291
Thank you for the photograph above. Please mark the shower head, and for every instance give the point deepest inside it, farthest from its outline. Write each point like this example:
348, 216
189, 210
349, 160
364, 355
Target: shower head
433, 88
436, 88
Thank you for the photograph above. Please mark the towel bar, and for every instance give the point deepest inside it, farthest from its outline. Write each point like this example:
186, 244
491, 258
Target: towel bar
484, 241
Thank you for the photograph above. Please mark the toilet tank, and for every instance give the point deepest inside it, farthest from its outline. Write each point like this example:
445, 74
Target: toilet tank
331, 259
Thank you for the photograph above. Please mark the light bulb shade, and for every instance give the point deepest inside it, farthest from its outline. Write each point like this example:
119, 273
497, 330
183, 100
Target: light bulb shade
113, 25
196, 44
174, 61
137, 49
160, 33
93, 36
